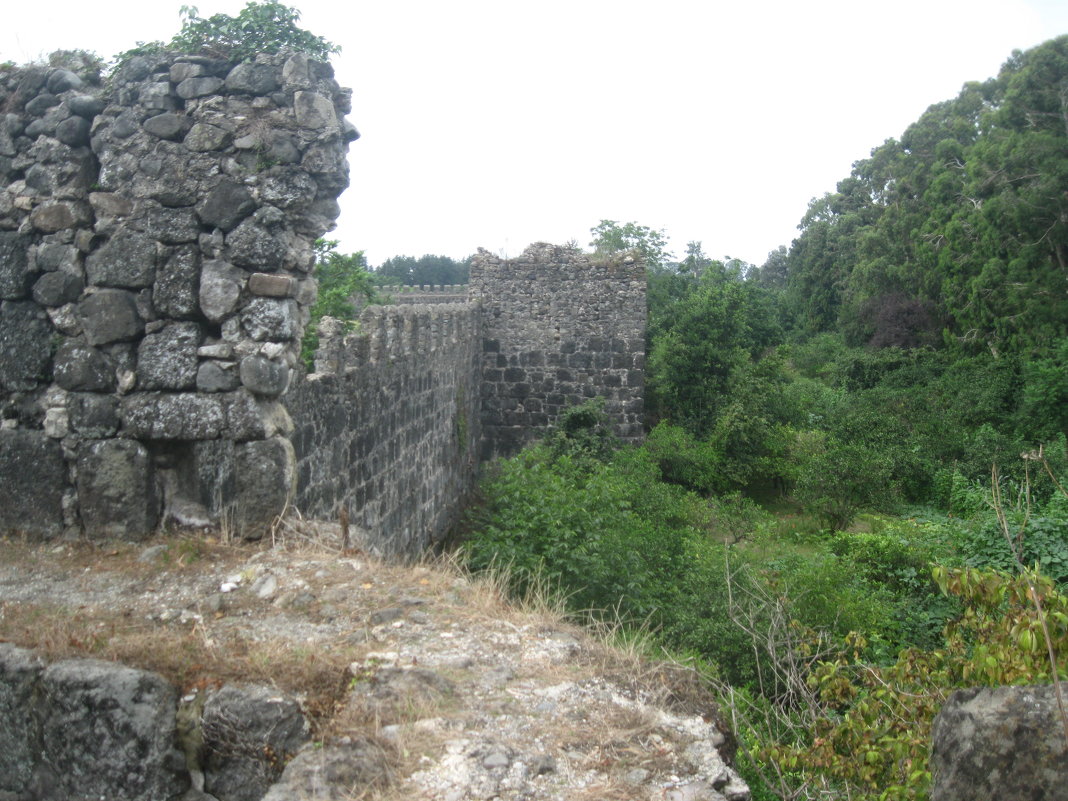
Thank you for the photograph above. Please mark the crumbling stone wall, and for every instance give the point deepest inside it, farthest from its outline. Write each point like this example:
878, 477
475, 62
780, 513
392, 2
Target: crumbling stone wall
156, 253
387, 426
155, 249
559, 327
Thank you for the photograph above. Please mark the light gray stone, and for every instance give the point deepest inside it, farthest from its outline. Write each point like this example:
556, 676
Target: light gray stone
197, 86
266, 482
118, 494
263, 376
218, 376
204, 137
334, 772
314, 111
220, 289
254, 247
271, 319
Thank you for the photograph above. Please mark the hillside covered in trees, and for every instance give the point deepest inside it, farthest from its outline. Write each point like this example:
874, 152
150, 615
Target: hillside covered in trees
852, 495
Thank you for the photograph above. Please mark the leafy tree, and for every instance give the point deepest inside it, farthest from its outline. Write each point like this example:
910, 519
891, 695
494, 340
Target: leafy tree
610, 237
260, 27
343, 279
428, 269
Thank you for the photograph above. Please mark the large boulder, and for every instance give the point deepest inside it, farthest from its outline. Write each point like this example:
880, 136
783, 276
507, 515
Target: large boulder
250, 733
19, 734
108, 731
117, 489
994, 743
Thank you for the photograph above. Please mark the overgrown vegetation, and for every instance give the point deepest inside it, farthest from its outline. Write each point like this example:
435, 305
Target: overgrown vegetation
260, 27
813, 515
343, 283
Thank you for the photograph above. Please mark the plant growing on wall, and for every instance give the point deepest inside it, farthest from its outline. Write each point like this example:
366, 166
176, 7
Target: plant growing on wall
342, 279
260, 27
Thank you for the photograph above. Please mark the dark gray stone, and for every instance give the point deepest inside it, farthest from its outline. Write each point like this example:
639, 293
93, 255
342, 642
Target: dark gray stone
40, 104
73, 131
25, 345
86, 105
333, 772
271, 319
172, 226
93, 415
314, 111
55, 256
20, 671
198, 86
48, 218
167, 359
110, 315
183, 415
78, 367
175, 291
169, 126
108, 732
33, 477
127, 260
57, 288
262, 376
254, 247
253, 79
117, 491
226, 205
996, 743
250, 733
61, 80
266, 480
289, 188
15, 276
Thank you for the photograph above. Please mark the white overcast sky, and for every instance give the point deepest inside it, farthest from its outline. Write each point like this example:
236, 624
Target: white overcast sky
496, 124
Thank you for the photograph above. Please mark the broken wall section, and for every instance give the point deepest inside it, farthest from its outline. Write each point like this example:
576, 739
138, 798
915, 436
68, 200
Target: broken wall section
387, 427
559, 327
156, 243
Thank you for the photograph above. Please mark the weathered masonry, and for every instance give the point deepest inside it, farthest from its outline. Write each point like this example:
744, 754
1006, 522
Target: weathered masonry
156, 248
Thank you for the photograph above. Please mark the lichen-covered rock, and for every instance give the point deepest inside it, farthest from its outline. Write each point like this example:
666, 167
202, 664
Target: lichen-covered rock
263, 376
110, 315
333, 772
93, 415
117, 491
226, 205
33, 477
79, 367
15, 275
220, 289
25, 345
993, 743
167, 359
178, 415
271, 319
107, 731
175, 291
250, 733
266, 482
20, 734
127, 260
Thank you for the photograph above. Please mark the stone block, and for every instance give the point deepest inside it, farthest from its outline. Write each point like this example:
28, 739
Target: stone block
15, 276
126, 260
266, 478
168, 126
20, 670
167, 359
226, 205
253, 79
109, 315
179, 415
271, 285
253, 246
25, 345
994, 743
175, 292
204, 137
78, 367
263, 376
250, 733
108, 731
93, 415
118, 494
271, 319
220, 289
57, 288
218, 376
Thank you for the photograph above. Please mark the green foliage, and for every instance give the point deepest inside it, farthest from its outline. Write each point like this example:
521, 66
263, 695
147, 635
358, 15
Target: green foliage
1040, 542
260, 27
342, 279
426, 270
584, 431
837, 479
610, 237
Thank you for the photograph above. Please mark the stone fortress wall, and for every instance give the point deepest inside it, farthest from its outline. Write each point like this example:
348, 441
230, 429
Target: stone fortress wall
156, 253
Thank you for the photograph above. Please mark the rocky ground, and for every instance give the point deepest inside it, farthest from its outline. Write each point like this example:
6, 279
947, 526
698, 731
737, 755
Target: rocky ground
460, 694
